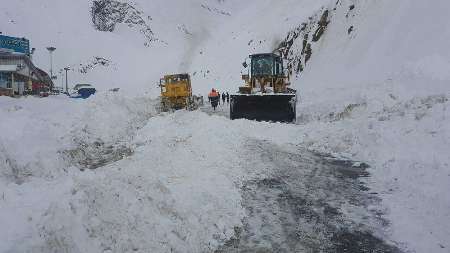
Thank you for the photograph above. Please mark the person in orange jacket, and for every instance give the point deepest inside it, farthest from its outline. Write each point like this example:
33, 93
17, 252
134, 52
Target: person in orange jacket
214, 98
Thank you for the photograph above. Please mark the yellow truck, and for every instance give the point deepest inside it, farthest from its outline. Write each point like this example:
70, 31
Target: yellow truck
176, 93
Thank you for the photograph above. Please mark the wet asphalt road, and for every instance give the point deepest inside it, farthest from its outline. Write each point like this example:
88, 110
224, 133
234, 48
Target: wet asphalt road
308, 202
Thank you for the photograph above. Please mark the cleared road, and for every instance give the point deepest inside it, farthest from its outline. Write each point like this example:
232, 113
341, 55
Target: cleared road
308, 203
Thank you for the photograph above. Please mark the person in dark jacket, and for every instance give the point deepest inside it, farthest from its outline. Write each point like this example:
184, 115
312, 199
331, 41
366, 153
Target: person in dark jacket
218, 94
214, 98
223, 98
228, 98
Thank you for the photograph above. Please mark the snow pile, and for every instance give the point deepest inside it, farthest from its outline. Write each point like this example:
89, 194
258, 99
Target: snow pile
177, 189
46, 129
406, 143
380, 94
151, 200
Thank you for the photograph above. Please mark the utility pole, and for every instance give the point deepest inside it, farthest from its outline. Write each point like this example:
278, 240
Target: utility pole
67, 85
51, 50
61, 73
30, 82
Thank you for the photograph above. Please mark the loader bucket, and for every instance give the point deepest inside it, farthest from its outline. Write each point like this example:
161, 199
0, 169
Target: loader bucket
273, 107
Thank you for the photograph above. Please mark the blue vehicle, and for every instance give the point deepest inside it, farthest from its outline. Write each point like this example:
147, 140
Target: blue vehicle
83, 91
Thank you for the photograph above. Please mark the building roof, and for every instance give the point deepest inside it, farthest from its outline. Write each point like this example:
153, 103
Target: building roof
39, 73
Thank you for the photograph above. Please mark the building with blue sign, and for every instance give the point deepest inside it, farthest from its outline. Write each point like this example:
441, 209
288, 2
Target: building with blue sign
18, 74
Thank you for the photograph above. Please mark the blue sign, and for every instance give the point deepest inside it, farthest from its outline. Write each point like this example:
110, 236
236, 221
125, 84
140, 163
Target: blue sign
18, 45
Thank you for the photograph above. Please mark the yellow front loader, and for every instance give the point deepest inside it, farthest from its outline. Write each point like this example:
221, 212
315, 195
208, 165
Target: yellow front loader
265, 95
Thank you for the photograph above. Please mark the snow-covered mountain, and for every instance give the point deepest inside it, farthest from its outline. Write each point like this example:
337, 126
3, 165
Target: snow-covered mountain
373, 80
144, 39
141, 40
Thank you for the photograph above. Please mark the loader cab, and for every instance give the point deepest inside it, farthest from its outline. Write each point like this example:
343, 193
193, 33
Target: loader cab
266, 65
175, 79
178, 85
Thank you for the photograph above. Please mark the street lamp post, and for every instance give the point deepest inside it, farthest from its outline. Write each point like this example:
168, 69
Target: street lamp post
51, 50
30, 82
61, 73
67, 85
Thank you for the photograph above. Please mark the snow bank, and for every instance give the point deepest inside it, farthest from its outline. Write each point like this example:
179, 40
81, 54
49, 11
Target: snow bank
37, 175
178, 189
380, 95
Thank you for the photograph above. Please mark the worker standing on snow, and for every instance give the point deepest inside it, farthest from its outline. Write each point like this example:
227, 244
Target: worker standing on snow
218, 95
223, 98
214, 98
228, 98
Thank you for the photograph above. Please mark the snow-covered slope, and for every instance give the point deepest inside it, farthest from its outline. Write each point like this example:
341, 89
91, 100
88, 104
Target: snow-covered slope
386, 88
140, 40
211, 39
375, 88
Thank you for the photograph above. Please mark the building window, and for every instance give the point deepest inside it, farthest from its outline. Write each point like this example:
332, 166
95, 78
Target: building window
5, 80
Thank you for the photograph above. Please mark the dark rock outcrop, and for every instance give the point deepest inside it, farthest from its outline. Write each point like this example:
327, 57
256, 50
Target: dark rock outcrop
107, 14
